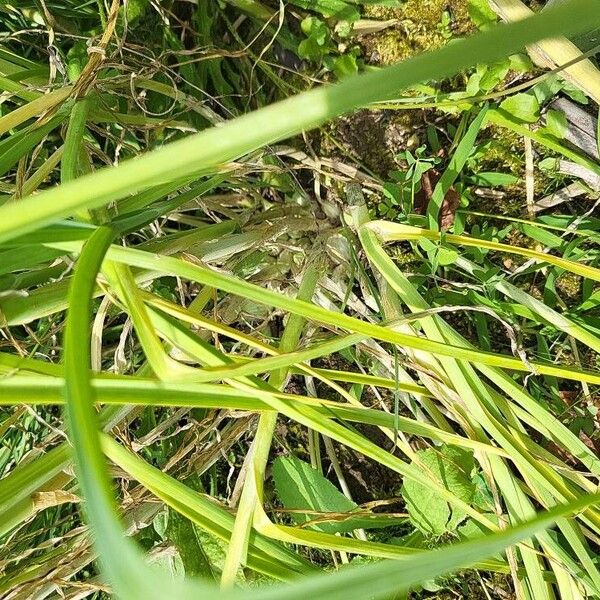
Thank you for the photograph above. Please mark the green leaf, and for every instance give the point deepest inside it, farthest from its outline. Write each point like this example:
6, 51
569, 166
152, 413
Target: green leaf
338, 9
77, 57
428, 245
550, 240
450, 466
316, 29
525, 107
521, 63
489, 179
181, 532
299, 486
546, 89
482, 498
480, 12
556, 123
345, 65
317, 42
135, 9
310, 50
493, 74
549, 164
447, 256
472, 530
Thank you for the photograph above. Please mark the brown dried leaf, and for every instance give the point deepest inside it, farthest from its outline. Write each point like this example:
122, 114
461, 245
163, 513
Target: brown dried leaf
451, 202
559, 452
588, 441
43, 500
569, 397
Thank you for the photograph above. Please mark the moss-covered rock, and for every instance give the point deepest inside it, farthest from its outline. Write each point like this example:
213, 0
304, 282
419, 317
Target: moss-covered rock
421, 25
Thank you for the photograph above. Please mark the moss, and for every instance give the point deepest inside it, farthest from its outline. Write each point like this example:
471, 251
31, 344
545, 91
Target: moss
503, 151
406, 258
569, 285
420, 26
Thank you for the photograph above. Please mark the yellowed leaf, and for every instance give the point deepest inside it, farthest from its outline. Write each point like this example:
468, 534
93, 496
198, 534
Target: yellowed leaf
43, 500
554, 52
